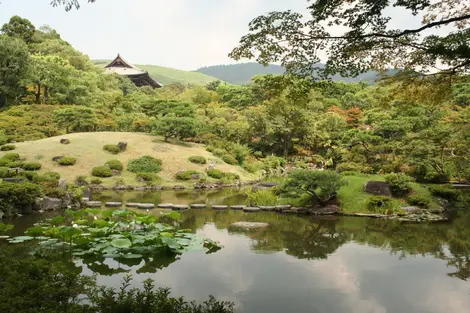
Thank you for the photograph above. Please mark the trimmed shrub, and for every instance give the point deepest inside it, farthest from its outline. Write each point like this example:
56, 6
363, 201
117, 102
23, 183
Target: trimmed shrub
419, 200
7, 147
350, 173
145, 164
53, 175
101, 171
217, 174
33, 166
210, 148
55, 193
229, 159
380, 204
5, 162
12, 156
219, 152
47, 180
67, 161
399, 183
3, 172
113, 149
197, 159
65, 141
148, 177
96, 181
17, 164
119, 181
28, 175
445, 191
115, 165
186, 175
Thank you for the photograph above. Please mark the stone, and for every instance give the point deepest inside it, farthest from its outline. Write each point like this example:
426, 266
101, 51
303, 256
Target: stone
132, 205
93, 204
85, 199
267, 208
179, 187
328, 210
113, 204
122, 146
165, 205
411, 209
198, 206
179, 207
263, 185
62, 184
237, 207
50, 204
220, 207
87, 193
250, 225
251, 209
14, 180
195, 176
1, 214
146, 206
378, 188
283, 207
57, 158
65, 141
116, 172
138, 188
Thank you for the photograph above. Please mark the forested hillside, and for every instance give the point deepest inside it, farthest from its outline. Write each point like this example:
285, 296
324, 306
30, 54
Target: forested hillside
241, 74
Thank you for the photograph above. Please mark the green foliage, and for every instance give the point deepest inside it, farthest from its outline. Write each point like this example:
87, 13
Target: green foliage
353, 167
399, 183
229, 159
174, 119
3, 172
76, 119
251, 167
11, 156
186, 175
321, 185
113, 149
219, 152
145, 164
214, 173
446, 192
115, 165
273, 163
381, 204
148, 177
5, 162
7, 147
33, 166
102, 171
263, 197
96, 181
419, 200
67, 161
81, 181
197, 159
16, 195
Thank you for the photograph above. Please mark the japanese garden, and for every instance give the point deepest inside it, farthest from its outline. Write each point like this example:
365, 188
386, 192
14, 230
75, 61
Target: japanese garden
328, 170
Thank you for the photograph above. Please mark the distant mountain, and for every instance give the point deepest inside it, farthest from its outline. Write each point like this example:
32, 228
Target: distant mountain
167, 75
241, 74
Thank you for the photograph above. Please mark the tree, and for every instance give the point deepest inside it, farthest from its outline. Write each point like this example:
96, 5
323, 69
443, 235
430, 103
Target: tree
14, 68
69, 4
77, 119
369, 41
20, 28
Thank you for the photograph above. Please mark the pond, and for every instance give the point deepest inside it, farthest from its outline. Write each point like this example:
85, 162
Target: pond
309, 264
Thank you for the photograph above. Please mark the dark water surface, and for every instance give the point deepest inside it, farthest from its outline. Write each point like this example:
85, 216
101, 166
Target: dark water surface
307, 264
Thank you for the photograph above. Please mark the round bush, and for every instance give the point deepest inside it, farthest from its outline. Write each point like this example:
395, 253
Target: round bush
96, 181
419, 200
186, 175
33, 166
53, 175
229, 159
7, 147
67, 161
145, 164
17, 164
380, 204
115, 165
5, 162
3, 172
197, 159
399, 183
113, 149
29, 175
12, 156
217, 174
147, 177
101, 171
219, 152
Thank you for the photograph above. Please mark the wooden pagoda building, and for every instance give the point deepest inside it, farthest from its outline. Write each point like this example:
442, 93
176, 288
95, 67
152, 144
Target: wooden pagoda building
136, 75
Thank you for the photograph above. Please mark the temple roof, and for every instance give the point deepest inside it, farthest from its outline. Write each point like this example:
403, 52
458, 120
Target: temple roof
123, 68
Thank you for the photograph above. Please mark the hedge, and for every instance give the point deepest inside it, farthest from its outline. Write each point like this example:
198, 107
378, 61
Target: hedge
145, 164
101, 171
115, 165
67, 161
197, 159
7, 147
113, 149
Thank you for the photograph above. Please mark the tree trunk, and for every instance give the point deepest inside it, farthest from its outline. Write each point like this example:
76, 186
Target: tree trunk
38, 94
46, 94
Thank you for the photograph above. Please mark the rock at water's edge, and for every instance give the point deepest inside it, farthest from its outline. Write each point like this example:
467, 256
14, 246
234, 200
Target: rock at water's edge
378, 188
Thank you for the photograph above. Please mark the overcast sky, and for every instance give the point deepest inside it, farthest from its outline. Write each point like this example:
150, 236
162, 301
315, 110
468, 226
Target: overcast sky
184, 34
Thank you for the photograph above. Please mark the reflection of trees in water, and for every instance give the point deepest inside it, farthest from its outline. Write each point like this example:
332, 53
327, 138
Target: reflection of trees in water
316, 237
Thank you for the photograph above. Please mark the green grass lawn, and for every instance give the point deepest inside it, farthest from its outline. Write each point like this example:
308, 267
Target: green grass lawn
87, 148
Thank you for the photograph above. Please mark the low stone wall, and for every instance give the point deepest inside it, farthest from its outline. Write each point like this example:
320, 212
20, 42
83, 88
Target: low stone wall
172, 187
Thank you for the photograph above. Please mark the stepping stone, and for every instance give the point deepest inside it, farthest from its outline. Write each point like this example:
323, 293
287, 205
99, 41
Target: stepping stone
283, 207
251, 210
93, 204
180, 207
220, 207
146, 206
165, 205
198, 206
113, 204
132, 205
85, 199
250, 225
237, 207
267, 208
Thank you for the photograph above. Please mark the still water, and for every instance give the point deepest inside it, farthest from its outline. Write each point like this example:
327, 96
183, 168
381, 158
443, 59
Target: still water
306, 264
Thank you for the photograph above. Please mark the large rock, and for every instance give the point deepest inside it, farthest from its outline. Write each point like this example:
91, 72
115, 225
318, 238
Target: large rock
267, 208
65, 141
51, 204
62, 184
378, 188
328, 210
57, 158
122, 146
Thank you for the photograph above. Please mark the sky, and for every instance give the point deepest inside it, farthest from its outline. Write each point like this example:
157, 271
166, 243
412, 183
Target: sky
183, 34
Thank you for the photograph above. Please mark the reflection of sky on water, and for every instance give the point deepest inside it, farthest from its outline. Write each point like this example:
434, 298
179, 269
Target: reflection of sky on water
355, 278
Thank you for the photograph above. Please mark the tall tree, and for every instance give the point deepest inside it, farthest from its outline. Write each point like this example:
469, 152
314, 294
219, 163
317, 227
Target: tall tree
20, 28
370, 41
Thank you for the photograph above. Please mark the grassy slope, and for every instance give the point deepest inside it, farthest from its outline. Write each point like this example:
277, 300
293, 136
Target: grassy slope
87, 148
167, 75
